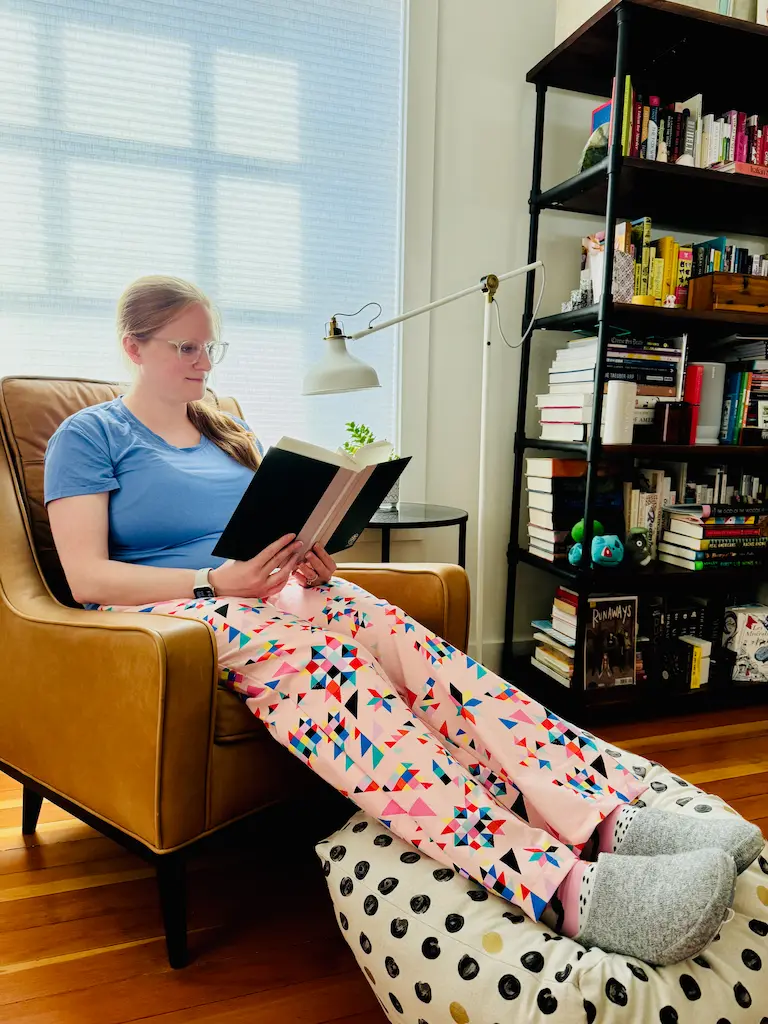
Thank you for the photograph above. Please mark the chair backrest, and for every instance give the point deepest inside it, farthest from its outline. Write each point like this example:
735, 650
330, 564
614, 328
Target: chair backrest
31, 408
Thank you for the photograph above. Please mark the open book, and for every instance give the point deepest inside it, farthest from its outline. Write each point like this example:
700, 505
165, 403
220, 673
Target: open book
324, 497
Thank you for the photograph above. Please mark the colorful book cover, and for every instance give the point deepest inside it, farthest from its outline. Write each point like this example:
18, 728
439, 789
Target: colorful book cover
745, 633
610, 642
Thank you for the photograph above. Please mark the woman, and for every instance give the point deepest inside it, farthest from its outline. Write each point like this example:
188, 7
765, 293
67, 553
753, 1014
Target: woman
446, 754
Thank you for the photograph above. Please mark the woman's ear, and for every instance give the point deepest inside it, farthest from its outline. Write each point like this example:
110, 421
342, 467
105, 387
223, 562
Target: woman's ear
132, 348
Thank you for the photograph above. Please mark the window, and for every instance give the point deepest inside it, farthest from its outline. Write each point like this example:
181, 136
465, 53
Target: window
252, 147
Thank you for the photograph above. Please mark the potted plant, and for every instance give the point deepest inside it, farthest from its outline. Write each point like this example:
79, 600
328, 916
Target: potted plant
359, 435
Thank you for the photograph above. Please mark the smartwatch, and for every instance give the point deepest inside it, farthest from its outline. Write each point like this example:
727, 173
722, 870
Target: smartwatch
202, 586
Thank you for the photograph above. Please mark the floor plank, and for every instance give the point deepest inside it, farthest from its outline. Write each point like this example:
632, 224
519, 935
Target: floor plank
80, 931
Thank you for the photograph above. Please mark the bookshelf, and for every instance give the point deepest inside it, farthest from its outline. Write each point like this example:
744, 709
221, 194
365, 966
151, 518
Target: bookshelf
661, 45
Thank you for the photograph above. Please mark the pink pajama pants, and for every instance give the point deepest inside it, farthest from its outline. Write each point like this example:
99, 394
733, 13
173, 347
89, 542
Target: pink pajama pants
446, 754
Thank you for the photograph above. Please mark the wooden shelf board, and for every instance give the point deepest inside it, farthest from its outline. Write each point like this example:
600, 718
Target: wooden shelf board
670, 195
658, 577
670, 323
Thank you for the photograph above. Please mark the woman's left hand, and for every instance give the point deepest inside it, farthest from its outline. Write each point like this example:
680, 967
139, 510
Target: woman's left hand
318, 567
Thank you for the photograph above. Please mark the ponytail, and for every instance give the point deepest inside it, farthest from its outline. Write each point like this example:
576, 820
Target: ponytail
225, 433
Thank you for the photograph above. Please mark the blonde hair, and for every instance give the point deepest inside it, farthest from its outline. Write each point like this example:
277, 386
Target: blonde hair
148, 305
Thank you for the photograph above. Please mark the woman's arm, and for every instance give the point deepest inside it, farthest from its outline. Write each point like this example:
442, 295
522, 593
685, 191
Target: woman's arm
80, 527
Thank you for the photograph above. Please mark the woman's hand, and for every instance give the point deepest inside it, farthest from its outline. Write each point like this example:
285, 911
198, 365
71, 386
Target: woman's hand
318, 567
262, 576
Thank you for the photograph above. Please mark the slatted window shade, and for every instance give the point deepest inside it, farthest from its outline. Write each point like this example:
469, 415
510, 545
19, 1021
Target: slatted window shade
250, 146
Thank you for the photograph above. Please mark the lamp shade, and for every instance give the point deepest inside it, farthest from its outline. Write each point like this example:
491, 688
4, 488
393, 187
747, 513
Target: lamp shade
338, 370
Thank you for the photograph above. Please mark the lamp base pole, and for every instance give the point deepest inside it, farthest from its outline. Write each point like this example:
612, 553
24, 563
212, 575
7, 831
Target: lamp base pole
478, 602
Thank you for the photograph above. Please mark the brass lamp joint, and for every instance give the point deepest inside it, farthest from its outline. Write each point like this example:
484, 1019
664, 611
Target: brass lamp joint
490, 285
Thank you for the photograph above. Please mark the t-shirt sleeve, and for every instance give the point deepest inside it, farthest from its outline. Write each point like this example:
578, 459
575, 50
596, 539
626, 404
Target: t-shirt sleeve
77, 461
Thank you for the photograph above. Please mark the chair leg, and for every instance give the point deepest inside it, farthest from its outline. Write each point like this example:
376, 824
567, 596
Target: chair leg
31, 802
172, 883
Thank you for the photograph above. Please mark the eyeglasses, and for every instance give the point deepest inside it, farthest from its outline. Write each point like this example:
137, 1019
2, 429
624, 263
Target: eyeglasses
191, 351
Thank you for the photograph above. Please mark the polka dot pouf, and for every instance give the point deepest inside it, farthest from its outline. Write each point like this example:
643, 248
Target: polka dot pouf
437, 949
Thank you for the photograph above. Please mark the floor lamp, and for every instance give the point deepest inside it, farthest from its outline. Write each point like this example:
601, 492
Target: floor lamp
340, 371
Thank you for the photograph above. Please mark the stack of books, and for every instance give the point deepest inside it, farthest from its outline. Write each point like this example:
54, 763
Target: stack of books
680, 132
713, 537
551, 485
555, 489
664, 266
745, 404
556, 638
565, 412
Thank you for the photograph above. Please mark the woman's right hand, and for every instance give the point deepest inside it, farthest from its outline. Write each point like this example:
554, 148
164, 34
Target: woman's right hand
262, 576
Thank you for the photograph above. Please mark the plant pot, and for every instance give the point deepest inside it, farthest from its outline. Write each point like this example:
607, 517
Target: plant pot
393, 497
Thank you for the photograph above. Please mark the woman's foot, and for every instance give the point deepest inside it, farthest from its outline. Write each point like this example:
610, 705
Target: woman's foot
662, 909
648, 831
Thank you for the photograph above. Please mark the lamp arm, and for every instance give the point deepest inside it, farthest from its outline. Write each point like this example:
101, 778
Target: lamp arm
480, 286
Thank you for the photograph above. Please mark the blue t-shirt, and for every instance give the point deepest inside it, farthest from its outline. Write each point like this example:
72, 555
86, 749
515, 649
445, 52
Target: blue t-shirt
167, 506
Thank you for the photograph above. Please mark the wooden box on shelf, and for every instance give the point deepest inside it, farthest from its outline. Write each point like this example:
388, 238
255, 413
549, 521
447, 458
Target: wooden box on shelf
738, 293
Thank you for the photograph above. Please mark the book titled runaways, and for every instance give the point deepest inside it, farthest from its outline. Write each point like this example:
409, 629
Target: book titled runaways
323, 497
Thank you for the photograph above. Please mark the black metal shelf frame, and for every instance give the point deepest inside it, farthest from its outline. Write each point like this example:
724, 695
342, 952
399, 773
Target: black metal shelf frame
623, 15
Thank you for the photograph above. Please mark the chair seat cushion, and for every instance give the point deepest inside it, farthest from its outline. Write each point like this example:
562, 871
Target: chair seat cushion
234, 722
437, 948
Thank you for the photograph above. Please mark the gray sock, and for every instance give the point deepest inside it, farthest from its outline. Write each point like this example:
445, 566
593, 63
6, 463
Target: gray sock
651, 831
661, 909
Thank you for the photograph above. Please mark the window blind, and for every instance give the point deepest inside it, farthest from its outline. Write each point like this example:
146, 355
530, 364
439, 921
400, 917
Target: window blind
250, 146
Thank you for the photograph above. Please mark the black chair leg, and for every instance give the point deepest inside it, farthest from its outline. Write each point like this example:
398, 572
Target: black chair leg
31, 802
172, 883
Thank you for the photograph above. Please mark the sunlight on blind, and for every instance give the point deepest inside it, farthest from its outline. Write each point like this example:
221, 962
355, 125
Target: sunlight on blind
114, 240
259, 244
262, 93
19, 83
252, 147
102, 70
21, 223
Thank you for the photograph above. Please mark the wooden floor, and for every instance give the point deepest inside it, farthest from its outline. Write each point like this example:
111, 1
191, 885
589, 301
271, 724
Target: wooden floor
80, 935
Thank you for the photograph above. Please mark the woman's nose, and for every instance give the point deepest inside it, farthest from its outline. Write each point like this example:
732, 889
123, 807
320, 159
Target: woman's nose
203, 361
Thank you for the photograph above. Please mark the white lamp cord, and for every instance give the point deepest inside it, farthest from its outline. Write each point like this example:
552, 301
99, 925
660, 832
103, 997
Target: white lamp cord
533, 317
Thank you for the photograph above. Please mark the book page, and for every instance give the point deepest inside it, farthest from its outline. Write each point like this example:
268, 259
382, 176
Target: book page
315, 451
373, 453
335, 496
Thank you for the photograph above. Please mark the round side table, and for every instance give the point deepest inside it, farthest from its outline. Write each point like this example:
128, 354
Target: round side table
410, 515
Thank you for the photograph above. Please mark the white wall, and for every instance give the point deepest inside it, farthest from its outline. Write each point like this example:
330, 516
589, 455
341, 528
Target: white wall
571, 14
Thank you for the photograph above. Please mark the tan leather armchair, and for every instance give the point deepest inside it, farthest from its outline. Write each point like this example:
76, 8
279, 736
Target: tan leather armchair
117, 717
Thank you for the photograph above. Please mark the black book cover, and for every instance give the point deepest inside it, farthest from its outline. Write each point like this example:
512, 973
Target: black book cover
284, 493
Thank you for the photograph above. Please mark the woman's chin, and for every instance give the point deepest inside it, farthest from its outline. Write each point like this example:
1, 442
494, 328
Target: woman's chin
195, 389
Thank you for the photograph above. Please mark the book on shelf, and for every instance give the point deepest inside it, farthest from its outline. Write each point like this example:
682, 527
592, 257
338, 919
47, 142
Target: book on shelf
746, 635
322, 496
546, 626
610, 642
658, 129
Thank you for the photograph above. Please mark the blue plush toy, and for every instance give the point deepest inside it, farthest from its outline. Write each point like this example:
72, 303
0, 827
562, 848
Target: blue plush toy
607, 549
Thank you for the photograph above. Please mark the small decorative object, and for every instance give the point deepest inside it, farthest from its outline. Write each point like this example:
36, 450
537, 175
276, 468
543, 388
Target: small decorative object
637, 544
672, 423
711, 403
359, 435
607, 549
596, 148
619, 412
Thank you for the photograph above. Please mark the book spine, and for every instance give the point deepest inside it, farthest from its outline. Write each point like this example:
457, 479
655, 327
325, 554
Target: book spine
642, 377
637, 127
644, 132
741, 147
653, 127
678, 139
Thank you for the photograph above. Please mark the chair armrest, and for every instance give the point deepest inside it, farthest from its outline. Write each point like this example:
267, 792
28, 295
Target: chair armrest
113, 710
436, 595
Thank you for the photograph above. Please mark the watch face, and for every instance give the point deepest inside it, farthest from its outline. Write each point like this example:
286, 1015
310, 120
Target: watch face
204, 592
